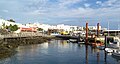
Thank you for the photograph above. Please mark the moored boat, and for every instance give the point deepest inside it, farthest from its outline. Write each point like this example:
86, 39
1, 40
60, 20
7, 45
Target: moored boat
73, 40
108, 50
116, 54
81, 42
113, 46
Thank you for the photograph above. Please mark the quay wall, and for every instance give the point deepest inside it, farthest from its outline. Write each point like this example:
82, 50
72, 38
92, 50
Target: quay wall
25, 34
9, 42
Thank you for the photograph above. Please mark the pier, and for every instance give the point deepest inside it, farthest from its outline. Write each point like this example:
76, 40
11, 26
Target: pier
67, 37
22, 35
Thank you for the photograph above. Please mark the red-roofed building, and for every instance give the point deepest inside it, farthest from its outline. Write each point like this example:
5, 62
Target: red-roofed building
31, 29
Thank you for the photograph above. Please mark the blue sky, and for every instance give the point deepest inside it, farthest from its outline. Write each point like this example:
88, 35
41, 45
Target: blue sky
72, 12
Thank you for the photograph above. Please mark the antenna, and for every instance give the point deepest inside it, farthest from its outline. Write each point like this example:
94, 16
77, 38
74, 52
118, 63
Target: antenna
108, 28
118, 29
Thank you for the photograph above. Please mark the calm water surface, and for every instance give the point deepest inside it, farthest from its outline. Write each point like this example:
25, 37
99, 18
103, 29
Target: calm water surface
58, 52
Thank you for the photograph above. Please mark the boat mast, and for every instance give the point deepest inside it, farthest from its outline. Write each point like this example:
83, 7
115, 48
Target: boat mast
108, 28
118, 29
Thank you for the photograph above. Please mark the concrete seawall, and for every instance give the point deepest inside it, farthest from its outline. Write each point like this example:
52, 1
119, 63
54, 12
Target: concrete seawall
11, 41
25, 34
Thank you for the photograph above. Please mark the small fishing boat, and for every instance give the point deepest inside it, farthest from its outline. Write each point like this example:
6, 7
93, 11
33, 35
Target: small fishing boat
73, 40
113, 46
68, 41
81, 42
108, 50
116, 54
115, 43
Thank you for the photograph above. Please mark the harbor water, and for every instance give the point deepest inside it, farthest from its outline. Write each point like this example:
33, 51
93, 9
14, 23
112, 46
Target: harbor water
58, 52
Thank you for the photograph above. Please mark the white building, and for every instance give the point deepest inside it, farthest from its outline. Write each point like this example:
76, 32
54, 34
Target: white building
7, 23
94, 27
45, 27
67, 27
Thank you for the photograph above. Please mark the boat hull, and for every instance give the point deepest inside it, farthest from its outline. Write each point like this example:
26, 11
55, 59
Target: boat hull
116, 55
108, 50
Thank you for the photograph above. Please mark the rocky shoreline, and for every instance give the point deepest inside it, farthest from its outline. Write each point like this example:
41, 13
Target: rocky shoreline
8, 46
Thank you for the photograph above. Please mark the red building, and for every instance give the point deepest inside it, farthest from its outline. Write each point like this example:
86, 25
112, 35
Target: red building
30, 29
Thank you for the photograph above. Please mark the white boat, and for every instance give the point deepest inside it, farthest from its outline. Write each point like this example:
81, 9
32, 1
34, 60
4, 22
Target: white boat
73, 40
108, 50
54, 34
116, 54
68, 41
81, 42
113, 45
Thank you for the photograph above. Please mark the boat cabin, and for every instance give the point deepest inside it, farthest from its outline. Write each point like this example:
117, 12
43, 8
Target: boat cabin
115, 43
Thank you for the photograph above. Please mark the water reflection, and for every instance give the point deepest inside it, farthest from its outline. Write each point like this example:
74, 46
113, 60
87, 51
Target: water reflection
7, 55
98, 56
105, 57
31, 51
63, 43
98, 59
59, 52
86, 54
117, 58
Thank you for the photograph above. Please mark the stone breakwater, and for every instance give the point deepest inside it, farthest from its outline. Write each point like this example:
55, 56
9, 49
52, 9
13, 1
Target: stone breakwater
8, 45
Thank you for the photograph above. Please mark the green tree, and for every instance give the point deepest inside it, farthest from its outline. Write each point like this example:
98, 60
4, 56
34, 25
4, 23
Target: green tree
84, 28
40, 29
13, 28
11, 20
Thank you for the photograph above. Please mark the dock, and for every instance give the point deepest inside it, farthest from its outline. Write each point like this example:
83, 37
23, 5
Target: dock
22, 35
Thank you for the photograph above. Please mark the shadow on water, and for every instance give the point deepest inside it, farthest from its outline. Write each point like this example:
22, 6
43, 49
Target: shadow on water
7, 54
6, 50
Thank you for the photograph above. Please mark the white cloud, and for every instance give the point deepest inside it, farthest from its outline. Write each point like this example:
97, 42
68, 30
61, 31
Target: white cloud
98, 2
80, 12
37, 12
45, 9
110, 3
86, 5
58, 12
64, 3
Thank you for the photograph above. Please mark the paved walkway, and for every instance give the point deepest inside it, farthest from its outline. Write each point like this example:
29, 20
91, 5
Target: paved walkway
15, 35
